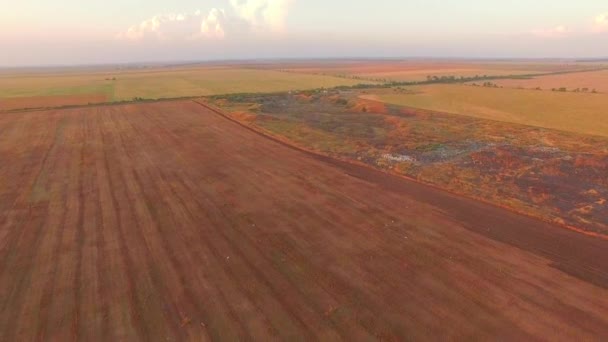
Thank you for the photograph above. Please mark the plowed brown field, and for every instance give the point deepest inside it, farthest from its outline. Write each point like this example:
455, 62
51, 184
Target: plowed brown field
50, 101
168, 221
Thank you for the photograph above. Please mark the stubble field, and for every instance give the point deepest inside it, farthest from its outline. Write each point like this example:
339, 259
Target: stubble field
56, 89
584, 81
573, 112
168, 221
418, 70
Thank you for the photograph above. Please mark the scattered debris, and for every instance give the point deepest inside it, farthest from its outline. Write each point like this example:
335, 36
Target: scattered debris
398, 158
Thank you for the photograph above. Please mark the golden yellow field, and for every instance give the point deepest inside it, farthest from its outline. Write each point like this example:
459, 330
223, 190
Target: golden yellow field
597, 80
212, 81
421, 74
415, 70
118, 85
574, 112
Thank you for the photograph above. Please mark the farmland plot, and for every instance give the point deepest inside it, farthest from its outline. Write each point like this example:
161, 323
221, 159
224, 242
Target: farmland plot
168, 221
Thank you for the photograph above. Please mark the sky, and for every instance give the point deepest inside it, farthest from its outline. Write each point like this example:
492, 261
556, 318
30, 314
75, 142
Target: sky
67, 32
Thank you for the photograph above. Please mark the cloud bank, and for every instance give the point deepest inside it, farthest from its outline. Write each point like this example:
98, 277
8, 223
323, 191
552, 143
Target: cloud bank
555, 32
601, 23
241, 18
263, 14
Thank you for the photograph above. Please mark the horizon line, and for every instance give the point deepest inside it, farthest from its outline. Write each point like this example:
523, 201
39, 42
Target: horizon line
184, 62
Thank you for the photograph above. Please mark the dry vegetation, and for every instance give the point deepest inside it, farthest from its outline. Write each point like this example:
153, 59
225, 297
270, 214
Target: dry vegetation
69, 88
584, 81
418, 70
554, 175
169, 222
574, 112
50, 101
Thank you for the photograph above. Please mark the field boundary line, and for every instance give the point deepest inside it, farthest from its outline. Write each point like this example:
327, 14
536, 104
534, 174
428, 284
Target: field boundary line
328, 158
375, 84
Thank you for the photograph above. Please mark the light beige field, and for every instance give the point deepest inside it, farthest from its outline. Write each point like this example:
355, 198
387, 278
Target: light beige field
421, 74
597, 80
52, 88
218, 81
574, 112
416, 70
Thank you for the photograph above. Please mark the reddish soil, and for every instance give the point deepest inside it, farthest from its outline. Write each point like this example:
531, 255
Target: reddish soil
169, 221
50, 101
367, 105
557, 176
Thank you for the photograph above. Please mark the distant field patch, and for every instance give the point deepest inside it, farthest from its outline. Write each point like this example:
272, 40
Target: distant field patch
419, 70
219, 81
421, 74
597, 80
119, 85
574, 112
50, 101
53, 85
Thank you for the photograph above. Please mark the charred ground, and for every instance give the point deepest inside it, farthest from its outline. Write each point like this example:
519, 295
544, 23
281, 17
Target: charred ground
554, 175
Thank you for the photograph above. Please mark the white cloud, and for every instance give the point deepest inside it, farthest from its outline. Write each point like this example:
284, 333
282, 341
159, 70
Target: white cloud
601, 22
213, 25
263, 13
164, 27
555, 32
243, 17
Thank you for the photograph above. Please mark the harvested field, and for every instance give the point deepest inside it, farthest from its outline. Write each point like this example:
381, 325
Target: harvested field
211, 81
50, 101
168, 221
35, 85
28, 90
567, 111
583, 81
418, 70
